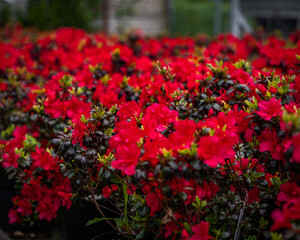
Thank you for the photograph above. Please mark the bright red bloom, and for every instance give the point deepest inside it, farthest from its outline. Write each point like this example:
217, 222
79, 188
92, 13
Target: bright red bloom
296, 149
33, 190
14, 217
129, 110
152, 148
43, 160
47, 209
213, 150
184, 134
79, 131
280, 220
201, 231
172, 88
153, 202
3, 86
76, 108
288, 191
19, 136
170, 228
106, 192
114, 187
125, 145
24, 207
242, 165
184, 235
108, 96
270, 142
160, 116
207, 190
10, 160
269, 109
65, 198
55, 108
253, 195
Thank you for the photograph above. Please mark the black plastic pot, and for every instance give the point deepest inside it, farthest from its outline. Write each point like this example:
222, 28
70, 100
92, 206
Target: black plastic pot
77, 217
7, 192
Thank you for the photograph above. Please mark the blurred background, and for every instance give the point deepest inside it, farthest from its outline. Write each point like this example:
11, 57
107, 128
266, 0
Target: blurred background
156, 17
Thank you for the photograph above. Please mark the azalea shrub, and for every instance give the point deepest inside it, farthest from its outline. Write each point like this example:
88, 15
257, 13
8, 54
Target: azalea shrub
186, 138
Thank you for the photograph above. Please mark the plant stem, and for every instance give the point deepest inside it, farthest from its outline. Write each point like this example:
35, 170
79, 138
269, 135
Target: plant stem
103, 215
237, 232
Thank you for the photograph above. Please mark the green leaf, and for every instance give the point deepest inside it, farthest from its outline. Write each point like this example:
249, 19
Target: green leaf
257, 174
95, 220
276, 236
263, 222
203, 203
187, 227
141, 234
83, 119
247, 175
119, 204
212, 218
275, 181
29, 142
113, 109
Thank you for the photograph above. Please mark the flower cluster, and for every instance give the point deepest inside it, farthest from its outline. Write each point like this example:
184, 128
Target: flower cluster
188, 138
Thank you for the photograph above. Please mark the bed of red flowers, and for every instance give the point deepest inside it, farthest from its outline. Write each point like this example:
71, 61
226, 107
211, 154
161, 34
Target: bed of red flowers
187, 138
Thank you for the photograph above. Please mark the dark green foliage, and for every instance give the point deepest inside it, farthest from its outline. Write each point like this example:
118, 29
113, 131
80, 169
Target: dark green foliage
50, 14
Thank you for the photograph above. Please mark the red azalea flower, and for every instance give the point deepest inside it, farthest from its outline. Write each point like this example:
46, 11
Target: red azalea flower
80, 128
171, 88
43, 159
210, 150
10, 160
185, 235
14, 217
20, 132
201, 231
55, 108
280, 220
108, 96
152, 149
129, 110
114, 187
270, 142
269, 109
33, 190
214, 150
161, 114
207, 190
170, 228
106, 192
184, 134
153, 202
47, 209
125, 145
296, 150
292, 209
24, 207
288, 191
76, 108
3, 86
253, 195
65, 198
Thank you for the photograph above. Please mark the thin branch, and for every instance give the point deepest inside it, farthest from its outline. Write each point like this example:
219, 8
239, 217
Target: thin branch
238, 228
107, 221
